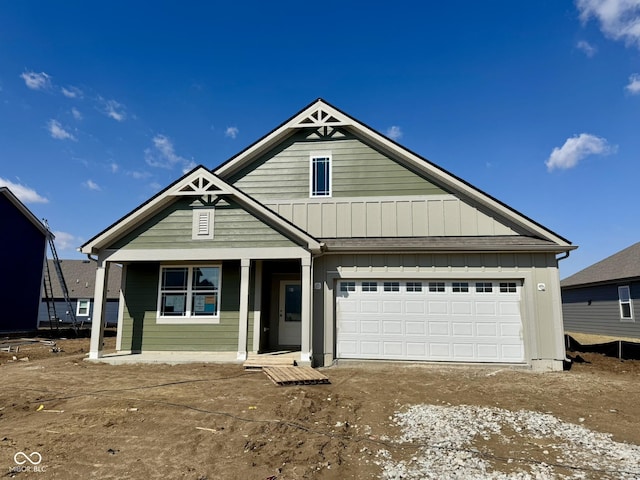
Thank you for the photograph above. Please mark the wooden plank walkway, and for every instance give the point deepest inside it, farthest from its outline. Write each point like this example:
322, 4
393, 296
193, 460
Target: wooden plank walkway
268, 361
289, 375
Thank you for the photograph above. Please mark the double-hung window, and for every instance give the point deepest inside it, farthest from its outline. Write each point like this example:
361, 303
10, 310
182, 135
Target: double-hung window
83, 307
189, 294
626, 304
320, 177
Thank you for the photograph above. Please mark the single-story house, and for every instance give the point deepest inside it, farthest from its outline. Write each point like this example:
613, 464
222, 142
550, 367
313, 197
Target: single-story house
331, 239
604, 298
22, 253
80, 278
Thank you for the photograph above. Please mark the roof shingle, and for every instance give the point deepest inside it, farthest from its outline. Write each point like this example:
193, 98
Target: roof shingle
622, 265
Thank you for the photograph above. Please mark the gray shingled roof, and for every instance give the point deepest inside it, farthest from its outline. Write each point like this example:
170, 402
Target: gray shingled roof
622, 265
80, 277
504, 243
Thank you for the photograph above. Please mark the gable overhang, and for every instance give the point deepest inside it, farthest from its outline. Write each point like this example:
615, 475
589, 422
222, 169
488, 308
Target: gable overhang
320, 114
9, 195
199, 182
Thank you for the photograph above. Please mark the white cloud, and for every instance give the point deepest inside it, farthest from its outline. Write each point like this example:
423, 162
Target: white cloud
71, 92
91, 185
114, 167
394, 132
24, 193
619, 19
66, 241
138, 175
76, 113
634, 84
588, 49
163, 155
36, 81
57, 131
577, 148
231, 132
113, 109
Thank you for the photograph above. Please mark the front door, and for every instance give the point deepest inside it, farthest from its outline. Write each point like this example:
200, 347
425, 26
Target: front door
290, 310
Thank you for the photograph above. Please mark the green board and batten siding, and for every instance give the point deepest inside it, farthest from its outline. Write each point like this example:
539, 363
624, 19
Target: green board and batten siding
172, 228
358, 170
140, 332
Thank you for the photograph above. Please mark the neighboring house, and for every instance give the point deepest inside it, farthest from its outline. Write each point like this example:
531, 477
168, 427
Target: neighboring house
605, 297
329, 238
23, 244
80, 277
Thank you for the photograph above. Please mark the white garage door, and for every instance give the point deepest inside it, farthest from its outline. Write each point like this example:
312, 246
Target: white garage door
459, 321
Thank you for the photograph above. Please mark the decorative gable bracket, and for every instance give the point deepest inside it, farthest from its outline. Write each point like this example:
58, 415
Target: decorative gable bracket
320, 117
198, 186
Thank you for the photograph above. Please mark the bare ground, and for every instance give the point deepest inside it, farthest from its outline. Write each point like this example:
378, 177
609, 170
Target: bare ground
209, 421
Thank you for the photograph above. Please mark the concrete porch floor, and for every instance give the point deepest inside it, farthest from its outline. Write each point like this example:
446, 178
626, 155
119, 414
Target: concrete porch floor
175, 358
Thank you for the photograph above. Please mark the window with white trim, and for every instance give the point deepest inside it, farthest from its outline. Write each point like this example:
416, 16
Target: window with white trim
626, 304
347, 286
484, 287
414, 286
320, 175
508, 287
460, 287
369, 286
436, 287
83, 307
189, 292
391, 286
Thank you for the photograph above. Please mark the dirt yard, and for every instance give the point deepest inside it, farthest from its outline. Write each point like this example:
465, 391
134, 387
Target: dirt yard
208, 421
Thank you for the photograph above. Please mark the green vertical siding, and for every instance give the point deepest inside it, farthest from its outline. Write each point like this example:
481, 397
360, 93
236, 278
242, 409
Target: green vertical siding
358, 170
141, 332
172, 228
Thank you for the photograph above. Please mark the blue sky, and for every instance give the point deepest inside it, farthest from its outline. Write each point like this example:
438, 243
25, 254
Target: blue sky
537, 103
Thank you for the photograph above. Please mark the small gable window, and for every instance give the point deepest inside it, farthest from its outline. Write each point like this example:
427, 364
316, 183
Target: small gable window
320, 178
202, 224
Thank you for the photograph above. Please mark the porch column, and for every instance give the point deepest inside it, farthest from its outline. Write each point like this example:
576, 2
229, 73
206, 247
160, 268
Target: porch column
305, 341
257, 306
243, 321
98, 319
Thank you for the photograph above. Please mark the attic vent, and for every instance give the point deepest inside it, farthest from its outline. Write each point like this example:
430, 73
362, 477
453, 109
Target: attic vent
202, 224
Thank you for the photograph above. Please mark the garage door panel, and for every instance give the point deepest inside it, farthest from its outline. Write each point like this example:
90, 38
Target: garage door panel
416, 350
370, 327
486, 309
488, 353
414, 307
392, 307
369, 306
393, 327
463, 351
392, 348
461, 308
438, 328
489, 329
438, 308
459, 329
415, 328
409, 322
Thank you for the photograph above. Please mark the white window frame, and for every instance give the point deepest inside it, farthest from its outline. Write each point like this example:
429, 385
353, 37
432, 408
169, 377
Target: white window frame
312, 190
87, 301
188, 318
202, 224
625, 300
